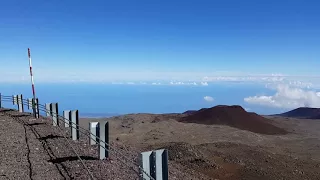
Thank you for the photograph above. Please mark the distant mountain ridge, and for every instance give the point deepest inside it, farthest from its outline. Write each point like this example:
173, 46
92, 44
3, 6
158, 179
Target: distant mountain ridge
302, 112
98, 115
189, 112
234, 116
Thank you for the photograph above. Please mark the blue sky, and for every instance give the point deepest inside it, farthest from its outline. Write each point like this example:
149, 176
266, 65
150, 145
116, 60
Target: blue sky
146, 40
266, 53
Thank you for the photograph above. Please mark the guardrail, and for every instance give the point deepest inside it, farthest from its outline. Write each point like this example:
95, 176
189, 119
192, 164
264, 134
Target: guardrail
152, 165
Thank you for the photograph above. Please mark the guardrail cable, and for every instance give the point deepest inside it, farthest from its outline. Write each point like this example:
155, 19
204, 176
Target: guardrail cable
85, 132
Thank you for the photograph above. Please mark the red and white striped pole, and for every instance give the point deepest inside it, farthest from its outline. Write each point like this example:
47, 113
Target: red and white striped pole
32, 82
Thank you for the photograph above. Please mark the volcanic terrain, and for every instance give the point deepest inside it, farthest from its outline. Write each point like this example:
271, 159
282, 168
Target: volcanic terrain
234, 116
225, 143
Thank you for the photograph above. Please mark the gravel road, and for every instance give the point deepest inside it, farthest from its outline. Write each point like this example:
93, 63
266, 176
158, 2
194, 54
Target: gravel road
34, 149
200, 151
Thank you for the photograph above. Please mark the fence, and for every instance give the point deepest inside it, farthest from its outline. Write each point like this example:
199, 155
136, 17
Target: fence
152, 165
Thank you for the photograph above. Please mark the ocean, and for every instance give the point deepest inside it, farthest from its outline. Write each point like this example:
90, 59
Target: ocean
104, 100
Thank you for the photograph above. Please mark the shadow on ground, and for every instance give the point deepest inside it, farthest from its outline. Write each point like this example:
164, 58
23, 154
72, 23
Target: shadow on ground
50, 137
35, 124
71, 158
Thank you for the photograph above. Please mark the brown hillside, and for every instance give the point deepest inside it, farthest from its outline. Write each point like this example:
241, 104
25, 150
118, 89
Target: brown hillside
234, 116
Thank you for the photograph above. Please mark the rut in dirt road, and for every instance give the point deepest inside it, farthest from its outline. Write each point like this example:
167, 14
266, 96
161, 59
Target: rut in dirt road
23, 154
60, 167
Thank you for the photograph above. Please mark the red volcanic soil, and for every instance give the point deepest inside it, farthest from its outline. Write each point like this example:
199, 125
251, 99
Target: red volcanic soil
234, 116
303, 112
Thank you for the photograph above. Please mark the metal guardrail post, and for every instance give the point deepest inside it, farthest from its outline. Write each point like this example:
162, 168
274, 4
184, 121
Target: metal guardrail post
145, 164
93, 127
37, 108
104, 139
75, 125
34, 108
29, 103
20, 103
15, 99
67, 118
162, 171
48, 109
0, 100
54, 114
36, 111
155, 163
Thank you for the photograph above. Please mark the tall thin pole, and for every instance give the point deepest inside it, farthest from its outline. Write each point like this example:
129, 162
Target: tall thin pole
32, 82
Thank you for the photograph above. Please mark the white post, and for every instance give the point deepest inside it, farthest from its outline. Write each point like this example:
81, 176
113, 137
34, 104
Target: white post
15, 99
93, 126
29, 103
54, 110
20, 103
104, 139
145, 165
154, 164
66, 117
48, 109
75, 124
161, 164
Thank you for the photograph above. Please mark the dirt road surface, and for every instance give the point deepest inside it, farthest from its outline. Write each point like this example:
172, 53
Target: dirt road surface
34, 149
223, 152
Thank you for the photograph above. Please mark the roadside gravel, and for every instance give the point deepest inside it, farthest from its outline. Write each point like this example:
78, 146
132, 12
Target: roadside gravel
34, 149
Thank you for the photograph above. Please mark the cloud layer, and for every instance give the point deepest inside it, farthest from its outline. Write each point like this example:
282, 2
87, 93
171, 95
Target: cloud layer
270, 80
287, 97
204, 83
208, 98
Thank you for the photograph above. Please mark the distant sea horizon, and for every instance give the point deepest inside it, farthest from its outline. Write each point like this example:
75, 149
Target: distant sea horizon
105, 100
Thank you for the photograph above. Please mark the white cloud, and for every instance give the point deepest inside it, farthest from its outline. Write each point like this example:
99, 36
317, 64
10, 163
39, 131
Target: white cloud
176, 83
131, 83
292, 83
183, 83
246, 78
300, 84
287, 97
154, 83
208, 98
47, 73
247, 109
204, 83
308, 82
